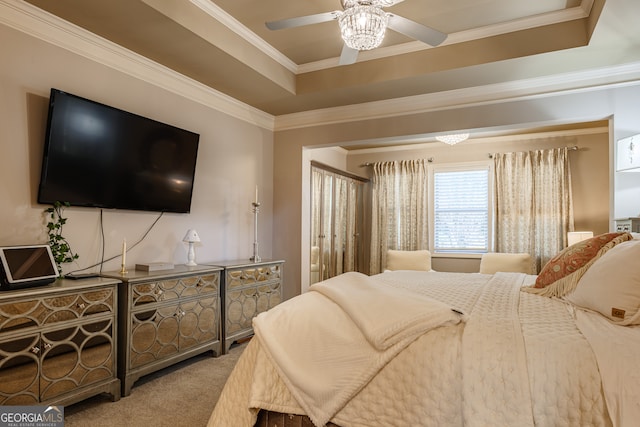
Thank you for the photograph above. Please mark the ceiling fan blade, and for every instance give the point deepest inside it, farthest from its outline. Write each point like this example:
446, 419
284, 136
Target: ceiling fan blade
415, 31
303, 20
348, 55
387, 3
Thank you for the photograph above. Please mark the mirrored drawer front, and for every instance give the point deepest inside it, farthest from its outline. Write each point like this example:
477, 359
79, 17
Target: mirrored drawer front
20, 370
253, 275
245, 304
36, 367
41, 311
77, 356
169, 329
172, 289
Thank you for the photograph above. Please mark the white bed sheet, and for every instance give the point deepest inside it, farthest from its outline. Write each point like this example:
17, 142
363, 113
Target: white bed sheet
617, 351
423, 384
328, 343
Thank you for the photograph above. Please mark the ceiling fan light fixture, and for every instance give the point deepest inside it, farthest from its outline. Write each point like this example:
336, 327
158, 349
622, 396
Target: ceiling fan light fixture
346, 4
363, 26
452, 139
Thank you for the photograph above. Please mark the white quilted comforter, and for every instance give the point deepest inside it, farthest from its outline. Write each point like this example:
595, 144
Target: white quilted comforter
518, 360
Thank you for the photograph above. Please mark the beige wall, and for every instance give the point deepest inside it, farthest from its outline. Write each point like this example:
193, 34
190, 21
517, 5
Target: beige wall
589, 170
589, 165
235, 154
618, 104
233, 157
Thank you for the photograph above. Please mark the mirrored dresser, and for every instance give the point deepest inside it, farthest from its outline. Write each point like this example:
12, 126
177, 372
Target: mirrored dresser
58, 342
166, 316
248, 289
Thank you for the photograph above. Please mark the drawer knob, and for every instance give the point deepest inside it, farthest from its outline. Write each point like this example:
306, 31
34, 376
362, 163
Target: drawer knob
35, 350
47, 346
81, 306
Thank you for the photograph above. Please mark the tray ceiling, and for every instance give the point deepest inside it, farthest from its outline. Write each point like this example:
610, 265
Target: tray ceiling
225, 45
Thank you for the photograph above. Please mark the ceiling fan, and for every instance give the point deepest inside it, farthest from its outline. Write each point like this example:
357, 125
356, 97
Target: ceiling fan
363, 24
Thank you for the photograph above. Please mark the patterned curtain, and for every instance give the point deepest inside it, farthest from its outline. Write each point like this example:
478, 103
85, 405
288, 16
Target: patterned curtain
399, 218
335, 211
534, 206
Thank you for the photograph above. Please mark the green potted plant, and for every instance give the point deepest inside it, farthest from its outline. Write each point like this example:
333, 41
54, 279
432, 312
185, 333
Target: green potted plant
60, 248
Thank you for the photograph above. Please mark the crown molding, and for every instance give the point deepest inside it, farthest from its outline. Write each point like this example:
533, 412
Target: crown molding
547, 86
38, 23
428, 141
564, 15
234, 25
535, 21
35, 22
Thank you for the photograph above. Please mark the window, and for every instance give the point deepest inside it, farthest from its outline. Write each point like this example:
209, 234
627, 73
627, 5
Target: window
461, 209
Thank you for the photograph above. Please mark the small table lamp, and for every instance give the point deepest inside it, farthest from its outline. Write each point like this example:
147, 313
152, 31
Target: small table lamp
191, 237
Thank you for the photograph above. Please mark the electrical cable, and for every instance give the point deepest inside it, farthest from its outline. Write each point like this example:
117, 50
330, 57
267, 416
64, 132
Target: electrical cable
102, 261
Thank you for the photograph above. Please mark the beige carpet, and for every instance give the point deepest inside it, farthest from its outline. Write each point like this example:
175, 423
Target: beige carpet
181, 395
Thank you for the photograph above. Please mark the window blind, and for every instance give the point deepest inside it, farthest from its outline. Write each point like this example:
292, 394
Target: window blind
461, 210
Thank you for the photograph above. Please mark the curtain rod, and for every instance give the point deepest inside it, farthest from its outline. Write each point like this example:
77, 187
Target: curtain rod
572, 148
363, 165
337, 171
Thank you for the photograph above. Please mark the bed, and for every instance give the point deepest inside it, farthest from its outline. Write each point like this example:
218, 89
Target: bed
455, 349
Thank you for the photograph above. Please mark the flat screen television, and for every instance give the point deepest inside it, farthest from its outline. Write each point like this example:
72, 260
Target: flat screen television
100, 156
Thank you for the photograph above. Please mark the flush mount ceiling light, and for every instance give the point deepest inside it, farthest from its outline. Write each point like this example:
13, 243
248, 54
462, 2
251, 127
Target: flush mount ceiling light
452, 139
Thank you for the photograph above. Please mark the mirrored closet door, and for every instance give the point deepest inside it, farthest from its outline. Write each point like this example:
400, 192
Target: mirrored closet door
336, 212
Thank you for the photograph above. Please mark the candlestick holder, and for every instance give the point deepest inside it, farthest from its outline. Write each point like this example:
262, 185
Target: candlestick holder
123, 270
256, 210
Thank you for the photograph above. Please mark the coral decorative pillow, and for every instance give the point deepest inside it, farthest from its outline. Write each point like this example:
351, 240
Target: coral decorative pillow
561, 274
611, 286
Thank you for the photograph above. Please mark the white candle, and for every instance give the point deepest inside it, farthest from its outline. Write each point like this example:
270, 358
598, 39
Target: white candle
124, 252
256, 194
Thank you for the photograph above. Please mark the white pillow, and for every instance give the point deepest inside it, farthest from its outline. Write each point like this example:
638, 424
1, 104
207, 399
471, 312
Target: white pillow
611, 286
408, 260
493, 262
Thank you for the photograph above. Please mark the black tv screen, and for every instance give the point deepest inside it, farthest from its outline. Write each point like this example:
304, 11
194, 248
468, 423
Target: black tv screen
99, 156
